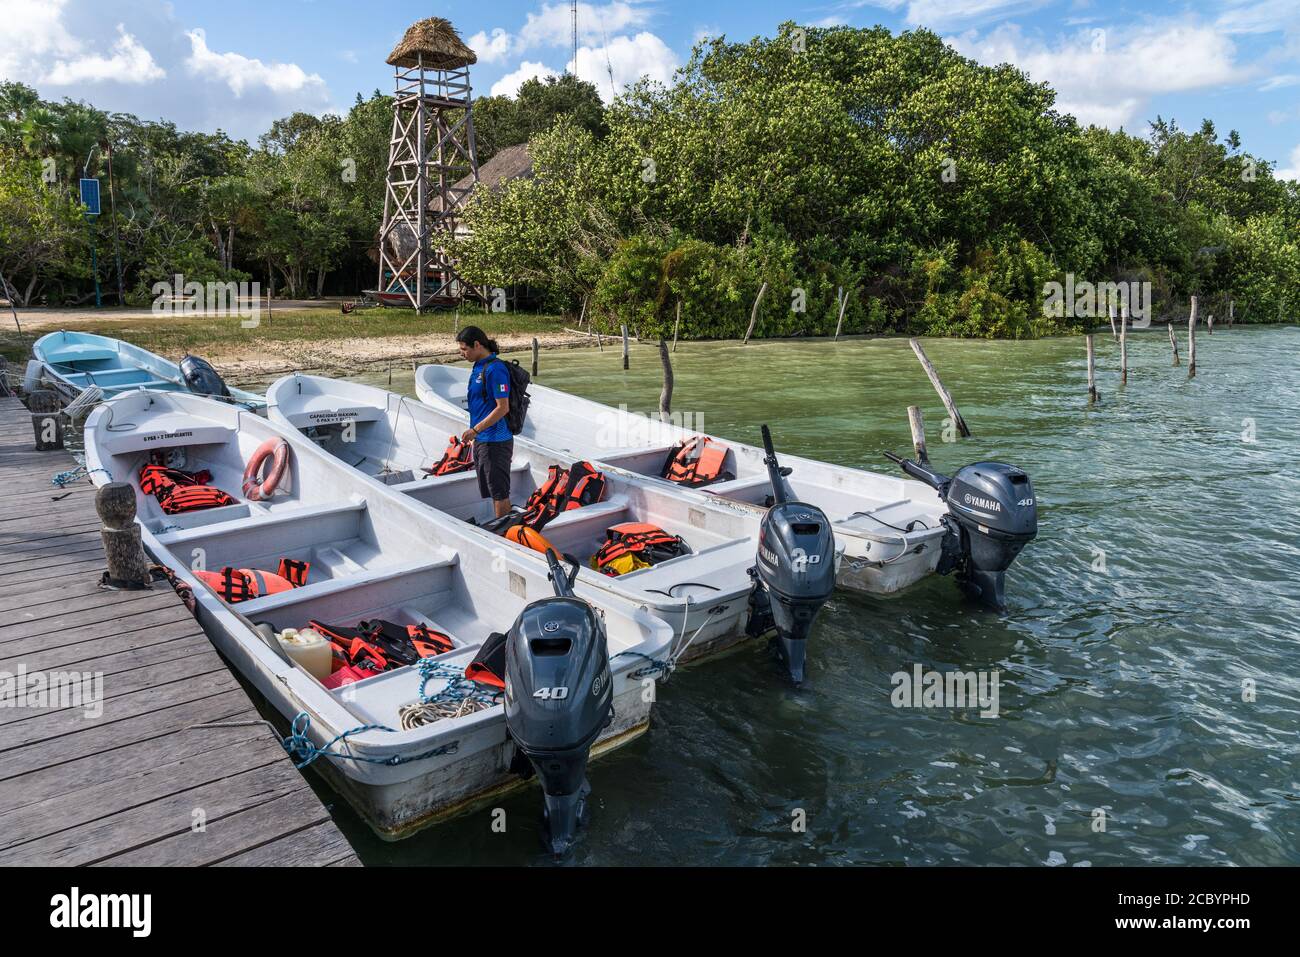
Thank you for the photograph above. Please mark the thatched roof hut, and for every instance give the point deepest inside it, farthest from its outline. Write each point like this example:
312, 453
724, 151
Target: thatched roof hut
434, 42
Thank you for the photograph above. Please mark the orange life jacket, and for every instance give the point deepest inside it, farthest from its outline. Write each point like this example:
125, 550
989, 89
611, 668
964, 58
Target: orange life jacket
528, 537
179, 491
244, 584
695, 462
459, 457
380, 645
563, 490
650, 543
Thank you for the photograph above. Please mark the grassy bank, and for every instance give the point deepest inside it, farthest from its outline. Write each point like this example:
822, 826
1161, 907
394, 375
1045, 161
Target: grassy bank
288, 336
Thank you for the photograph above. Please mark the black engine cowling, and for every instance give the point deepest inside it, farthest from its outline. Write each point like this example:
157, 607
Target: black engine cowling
201, 378
992, 515
559, 697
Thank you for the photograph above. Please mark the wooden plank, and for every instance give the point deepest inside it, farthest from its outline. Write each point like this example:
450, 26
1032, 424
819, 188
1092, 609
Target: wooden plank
126, 682
106, 837
319, 846
69, 566
88, 614
146, 616
229, 836
95, 771
41, 652
59, 811
99, 738
109, 664
55, 724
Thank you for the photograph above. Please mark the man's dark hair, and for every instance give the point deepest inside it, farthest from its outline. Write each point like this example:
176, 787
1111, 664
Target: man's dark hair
472, 334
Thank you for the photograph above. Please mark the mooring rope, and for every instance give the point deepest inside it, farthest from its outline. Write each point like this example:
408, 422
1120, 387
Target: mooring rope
300, 748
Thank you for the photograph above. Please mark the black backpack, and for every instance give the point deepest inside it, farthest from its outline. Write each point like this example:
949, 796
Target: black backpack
519, 398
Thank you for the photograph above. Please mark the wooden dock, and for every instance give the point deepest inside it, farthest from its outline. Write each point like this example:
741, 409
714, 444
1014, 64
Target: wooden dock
138, 784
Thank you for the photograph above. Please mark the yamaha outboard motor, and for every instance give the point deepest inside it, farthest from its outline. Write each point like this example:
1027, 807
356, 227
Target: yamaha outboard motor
992, 515
795, 571
559, 697
201, 378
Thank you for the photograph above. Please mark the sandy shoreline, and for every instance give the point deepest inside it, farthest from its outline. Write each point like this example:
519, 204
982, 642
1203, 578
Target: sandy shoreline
342, 356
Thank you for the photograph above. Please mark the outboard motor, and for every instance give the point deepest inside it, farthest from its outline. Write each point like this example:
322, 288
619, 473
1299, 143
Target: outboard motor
795, 570
992, 515
201, 378
559, 697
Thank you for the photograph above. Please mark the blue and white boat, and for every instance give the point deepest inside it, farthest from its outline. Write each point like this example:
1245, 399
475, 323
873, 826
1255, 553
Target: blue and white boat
75, 361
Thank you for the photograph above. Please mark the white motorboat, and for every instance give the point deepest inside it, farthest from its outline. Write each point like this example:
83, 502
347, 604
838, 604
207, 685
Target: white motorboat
894, 531
370, 553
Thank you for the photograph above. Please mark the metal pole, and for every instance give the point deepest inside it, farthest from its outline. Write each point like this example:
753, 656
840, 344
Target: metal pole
112, 211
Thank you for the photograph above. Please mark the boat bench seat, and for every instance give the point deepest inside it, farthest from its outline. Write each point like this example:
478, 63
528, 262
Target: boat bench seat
743, 484
376, 587
602, 512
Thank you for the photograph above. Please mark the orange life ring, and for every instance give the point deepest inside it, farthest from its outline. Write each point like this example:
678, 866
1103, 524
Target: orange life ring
254, 490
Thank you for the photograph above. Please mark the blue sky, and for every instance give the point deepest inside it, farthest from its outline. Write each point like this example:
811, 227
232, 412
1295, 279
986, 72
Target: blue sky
239, 64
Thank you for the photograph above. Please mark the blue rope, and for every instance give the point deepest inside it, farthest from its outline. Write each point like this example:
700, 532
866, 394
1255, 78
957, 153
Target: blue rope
76, 475
304, 752
458, 686
655, 669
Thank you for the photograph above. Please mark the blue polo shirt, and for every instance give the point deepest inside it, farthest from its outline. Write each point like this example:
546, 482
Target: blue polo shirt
483, 397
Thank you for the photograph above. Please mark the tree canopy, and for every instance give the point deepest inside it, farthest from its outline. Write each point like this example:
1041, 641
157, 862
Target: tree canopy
859, 172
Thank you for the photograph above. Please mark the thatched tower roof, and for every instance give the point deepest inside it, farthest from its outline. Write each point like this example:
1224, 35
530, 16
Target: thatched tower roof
436, 42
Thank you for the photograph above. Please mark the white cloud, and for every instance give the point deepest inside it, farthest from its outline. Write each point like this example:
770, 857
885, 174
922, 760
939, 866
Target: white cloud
130, 63
553, 26
509, 84
493, 47
242, 73
1257, 16
629, 58
1293, 171
1280, 81
1107, 77
937, 14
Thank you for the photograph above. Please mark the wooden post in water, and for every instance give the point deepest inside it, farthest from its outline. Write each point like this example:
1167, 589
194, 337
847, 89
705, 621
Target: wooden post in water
916, 421
1110, 307
1191, 342
1092, 373
666, 396
535, 357
1209, 324
127, 565
677, 325
839, 322
935, 381
1173, 342
1231, 312
753, 313
625, 346
47, 423
1123, 344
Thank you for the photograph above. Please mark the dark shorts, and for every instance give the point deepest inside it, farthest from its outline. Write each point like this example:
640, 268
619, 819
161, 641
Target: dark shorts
492, 462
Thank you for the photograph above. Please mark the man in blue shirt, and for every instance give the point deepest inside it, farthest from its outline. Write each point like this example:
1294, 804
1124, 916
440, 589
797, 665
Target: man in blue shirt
489, 401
